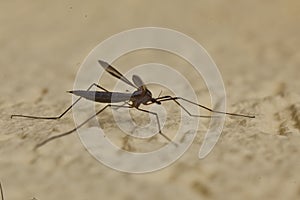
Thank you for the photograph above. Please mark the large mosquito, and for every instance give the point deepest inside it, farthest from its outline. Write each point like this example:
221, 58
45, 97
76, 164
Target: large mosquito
131, 100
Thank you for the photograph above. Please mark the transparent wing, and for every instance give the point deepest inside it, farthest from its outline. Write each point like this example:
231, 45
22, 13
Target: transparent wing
138, 82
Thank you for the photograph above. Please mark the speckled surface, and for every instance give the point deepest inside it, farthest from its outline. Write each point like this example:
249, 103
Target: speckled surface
256, 47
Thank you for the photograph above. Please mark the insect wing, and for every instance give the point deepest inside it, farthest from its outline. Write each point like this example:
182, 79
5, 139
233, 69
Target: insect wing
138, 82
110, 69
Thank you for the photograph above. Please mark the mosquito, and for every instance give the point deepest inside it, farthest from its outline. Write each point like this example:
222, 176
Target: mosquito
141, 95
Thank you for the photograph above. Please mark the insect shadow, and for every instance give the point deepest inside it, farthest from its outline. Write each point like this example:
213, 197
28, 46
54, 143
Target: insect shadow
141, 95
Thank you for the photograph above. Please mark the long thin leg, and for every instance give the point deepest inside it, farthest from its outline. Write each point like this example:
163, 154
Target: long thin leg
158, 123
190, 114
80, 125
1, 190
170, 98
123, 104
62, 114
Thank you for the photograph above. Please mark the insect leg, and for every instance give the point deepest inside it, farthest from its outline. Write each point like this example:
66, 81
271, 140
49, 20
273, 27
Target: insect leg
170, 98
1, 190
62, 114
79, 126
158, 123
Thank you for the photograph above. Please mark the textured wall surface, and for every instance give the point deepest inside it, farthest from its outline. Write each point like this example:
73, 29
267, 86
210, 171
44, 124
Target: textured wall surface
256, 47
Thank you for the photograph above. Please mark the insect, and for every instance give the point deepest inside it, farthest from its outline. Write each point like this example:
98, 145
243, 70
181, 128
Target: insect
141, 95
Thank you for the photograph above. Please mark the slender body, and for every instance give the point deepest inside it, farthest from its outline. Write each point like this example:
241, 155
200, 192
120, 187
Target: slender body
103, 97
131, 100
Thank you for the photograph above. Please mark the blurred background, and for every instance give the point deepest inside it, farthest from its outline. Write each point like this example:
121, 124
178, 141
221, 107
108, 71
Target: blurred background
255, 44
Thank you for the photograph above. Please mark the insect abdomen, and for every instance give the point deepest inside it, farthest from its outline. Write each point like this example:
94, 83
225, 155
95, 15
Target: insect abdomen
102, 97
